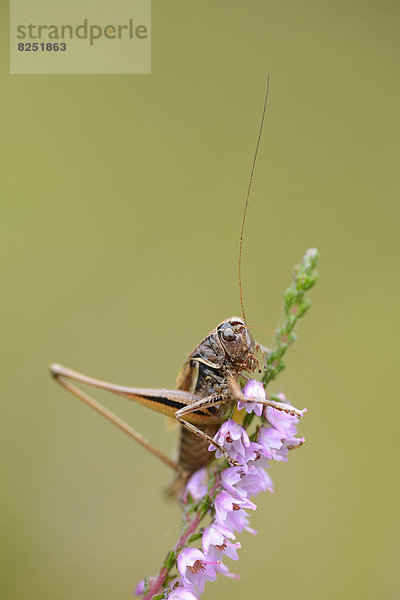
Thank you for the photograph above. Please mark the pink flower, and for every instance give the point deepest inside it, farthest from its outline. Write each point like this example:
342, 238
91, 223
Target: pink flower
253, 389
247, 481
139, 589
197, 484
181, 593
253, 452
288, 444
230, 513
217, 540
284, 422
270, 440
234, 439
238, 484
195, 569
256, 479
231, 476
276, 442
223, 570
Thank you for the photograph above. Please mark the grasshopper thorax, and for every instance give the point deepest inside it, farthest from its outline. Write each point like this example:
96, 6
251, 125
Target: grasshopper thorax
237, 342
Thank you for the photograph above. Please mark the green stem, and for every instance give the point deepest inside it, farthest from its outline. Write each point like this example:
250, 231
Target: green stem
295, 306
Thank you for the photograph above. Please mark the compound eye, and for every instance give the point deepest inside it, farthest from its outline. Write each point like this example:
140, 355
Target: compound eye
228, 334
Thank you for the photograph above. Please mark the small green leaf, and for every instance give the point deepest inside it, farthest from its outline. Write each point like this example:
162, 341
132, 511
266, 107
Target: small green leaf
247, 420
205, 506
191, 507
295, 306
146, 584
170, 560
194, 537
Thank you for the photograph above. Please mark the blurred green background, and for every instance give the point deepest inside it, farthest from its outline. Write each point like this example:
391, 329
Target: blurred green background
120, 217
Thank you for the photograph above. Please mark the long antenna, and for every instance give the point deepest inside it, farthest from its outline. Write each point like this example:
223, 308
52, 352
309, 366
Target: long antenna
248, 195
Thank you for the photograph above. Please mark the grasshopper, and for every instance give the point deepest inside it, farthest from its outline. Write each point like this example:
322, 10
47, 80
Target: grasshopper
207, 385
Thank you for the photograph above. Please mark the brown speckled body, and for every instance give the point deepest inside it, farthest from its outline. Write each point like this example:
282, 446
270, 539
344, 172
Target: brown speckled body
204, 381
204, 374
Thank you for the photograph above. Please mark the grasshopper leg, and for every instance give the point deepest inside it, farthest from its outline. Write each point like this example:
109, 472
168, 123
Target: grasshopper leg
237, 393
264, 351
61, 375
201, 404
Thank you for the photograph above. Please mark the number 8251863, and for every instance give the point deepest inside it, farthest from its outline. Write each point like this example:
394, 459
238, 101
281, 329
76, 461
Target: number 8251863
42, 47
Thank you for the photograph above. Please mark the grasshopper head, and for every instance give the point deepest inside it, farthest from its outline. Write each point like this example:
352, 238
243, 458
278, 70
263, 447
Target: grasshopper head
237, 342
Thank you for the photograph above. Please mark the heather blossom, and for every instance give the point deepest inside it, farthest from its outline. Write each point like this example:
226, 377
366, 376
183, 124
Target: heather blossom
234, 439
197, 485
253, 389
250, 479
237, 484
217, 540
181, 593
195, 569
230, 510
271, 440
254, 480
282, 421
139, 589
